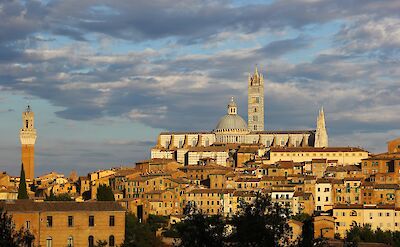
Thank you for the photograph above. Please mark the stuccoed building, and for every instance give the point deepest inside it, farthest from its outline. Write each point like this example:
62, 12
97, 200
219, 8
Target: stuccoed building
232, 131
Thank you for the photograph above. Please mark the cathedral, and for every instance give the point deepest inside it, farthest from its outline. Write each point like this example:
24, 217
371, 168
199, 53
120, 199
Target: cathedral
232, 129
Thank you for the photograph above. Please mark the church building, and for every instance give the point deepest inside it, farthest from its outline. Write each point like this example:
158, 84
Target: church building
232, 129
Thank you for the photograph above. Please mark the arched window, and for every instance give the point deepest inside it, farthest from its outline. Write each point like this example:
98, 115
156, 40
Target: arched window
194, 142
91, 241
70, 241
26, 123
207, 142
49, 242
111, 241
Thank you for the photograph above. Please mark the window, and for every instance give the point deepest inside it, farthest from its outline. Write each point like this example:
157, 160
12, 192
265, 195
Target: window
91, 241
111, 241
91, 220
70, 241
27, 224
49, 221
49, 242
70, 221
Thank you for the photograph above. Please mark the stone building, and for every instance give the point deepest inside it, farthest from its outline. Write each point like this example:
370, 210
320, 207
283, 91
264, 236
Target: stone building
69, 223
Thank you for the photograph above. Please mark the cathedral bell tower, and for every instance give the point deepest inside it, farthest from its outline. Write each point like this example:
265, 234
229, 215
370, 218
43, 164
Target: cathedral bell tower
255, 104
27, 136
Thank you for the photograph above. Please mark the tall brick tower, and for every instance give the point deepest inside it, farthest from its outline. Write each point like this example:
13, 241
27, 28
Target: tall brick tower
255, 104
27, 136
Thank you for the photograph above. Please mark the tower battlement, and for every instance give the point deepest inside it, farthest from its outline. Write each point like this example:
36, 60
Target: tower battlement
27, 136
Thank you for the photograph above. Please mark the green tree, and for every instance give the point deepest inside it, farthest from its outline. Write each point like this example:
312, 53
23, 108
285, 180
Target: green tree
139, 234
105, 193
22, 192
261, 223
9, 236
156, 221
101, 243
61, 197
200, 230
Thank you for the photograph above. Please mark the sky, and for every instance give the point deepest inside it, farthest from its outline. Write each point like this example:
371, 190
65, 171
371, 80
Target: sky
105, 77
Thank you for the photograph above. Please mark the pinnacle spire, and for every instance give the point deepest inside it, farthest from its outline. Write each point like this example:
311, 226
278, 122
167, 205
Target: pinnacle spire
321, 135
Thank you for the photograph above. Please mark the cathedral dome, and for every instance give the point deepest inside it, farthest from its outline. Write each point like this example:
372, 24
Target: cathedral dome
231, 121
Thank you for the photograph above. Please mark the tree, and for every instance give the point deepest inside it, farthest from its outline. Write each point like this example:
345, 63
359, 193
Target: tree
101, 243
60, 197
139, 234
22, 192
261, 223
359, 234
9, 236
200, 230
105, 193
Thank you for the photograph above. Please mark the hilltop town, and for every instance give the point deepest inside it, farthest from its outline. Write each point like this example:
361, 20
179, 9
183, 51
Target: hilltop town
215, 171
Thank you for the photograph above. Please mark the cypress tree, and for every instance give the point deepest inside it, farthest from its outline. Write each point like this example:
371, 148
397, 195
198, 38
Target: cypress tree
105, 193
22, 192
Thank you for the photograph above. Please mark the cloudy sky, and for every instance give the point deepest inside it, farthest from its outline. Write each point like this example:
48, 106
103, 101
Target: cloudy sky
105, 77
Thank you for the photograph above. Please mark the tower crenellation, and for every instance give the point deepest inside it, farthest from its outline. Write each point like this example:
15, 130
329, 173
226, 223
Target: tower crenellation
27, 136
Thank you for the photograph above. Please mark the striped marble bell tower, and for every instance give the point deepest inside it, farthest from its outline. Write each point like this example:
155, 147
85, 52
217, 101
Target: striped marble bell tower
255, 105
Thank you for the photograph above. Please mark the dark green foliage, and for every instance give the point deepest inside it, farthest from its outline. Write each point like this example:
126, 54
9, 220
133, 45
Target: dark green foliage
9, 236
61, 197
87, 195
261, 223
303, 217
307, 230
139, 234
105, 193
101, 243
359, 234
199, 230
156, 221
22, 192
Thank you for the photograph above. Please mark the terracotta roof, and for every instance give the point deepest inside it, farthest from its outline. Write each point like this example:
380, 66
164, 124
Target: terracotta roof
329, 180
384, 156
317, 149
244, 179
365, 206
204, 167
386, 186
55, 206
273, 178
206, 191
155, 161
